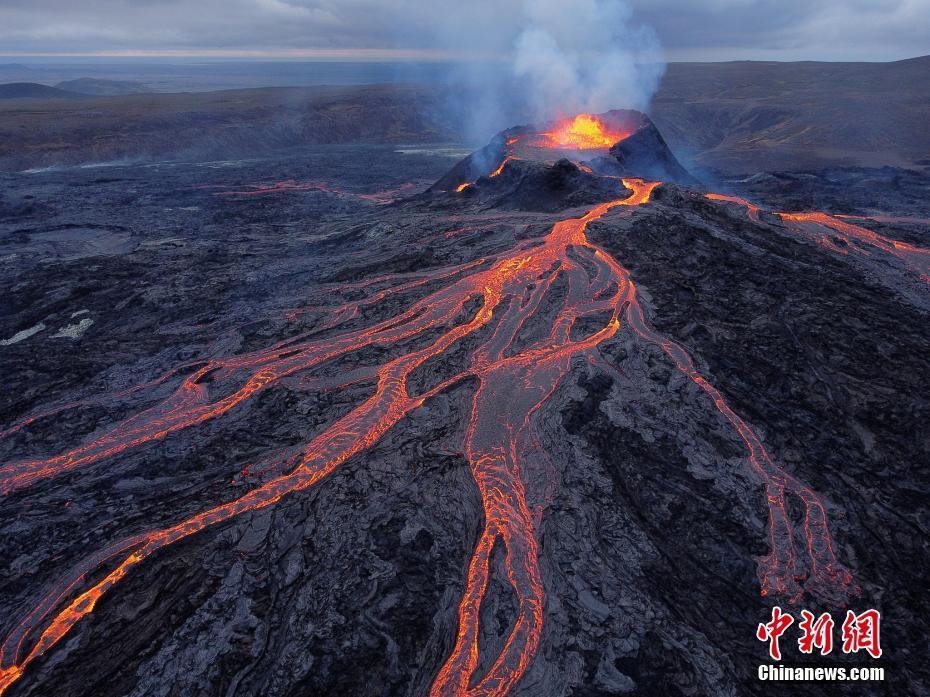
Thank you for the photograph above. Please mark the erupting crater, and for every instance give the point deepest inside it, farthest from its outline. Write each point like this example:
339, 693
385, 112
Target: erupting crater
616, 144
584, 132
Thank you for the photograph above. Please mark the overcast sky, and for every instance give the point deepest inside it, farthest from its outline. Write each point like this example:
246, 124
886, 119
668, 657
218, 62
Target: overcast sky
403, 29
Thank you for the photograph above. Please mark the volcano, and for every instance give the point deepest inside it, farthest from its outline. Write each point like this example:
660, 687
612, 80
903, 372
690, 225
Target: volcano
565, 423
618, 143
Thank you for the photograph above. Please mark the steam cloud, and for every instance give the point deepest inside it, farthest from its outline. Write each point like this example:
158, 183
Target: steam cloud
586, 56
563, 58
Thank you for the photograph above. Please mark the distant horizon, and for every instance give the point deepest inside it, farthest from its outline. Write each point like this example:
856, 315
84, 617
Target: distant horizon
372, 56
201, 74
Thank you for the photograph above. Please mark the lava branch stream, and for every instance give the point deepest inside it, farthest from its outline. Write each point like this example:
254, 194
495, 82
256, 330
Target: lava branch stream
841, 236
514, 381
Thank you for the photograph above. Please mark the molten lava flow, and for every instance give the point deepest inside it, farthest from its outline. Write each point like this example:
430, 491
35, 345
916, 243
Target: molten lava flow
500, 167
753, 209
907, 219
842, 237
515, 378
584, 132
857, 238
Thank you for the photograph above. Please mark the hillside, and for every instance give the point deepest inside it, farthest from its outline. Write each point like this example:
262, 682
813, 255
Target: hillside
33, 90
229, 123
96, 87
749, 116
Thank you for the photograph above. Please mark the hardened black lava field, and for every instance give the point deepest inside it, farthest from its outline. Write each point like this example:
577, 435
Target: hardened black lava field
358, 420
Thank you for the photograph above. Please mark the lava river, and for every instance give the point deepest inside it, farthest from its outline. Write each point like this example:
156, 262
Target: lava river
488, 301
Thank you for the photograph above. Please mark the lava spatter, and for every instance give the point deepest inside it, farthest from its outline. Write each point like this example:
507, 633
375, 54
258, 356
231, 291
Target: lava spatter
513, 384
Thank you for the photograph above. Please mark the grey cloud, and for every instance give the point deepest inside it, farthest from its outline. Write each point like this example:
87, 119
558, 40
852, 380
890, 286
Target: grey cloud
790, 29
787, 29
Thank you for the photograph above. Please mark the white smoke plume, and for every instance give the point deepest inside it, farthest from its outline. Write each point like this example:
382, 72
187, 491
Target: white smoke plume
585, 56
543, 59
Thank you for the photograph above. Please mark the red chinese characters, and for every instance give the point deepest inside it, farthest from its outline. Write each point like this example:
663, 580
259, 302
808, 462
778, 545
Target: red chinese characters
861, 632
772, 631
815, 633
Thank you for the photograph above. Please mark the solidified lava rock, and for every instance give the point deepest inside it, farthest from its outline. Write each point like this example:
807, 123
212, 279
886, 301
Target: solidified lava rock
650, 521
645, 154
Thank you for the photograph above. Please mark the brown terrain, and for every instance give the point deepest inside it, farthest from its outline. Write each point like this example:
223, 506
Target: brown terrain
185, 125
746, 116
734, 118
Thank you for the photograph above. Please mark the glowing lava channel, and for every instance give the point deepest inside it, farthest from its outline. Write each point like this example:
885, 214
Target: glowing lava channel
840, 236
513, 385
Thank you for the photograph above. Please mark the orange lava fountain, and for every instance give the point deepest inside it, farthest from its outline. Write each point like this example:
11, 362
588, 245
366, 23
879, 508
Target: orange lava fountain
514, 382
584, 132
